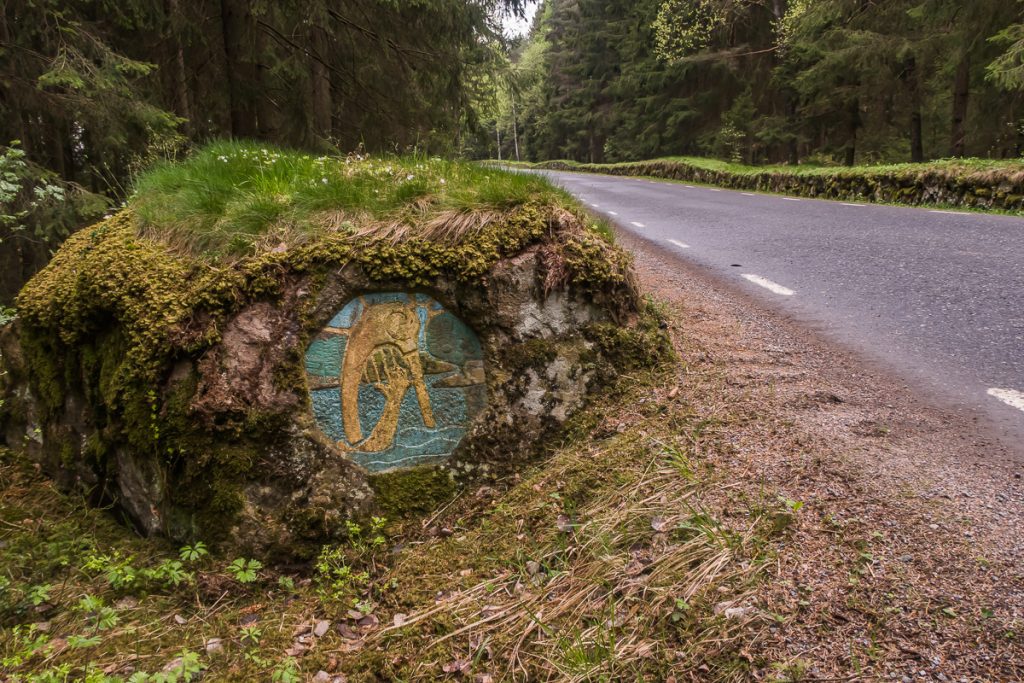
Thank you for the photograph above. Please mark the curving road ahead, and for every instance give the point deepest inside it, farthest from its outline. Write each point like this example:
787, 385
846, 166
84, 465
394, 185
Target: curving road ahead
935, 296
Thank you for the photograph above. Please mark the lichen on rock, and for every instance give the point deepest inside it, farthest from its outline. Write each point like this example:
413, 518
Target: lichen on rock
191, 392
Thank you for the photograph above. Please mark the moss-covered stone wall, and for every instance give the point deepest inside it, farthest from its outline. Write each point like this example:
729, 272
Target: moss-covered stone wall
908, 184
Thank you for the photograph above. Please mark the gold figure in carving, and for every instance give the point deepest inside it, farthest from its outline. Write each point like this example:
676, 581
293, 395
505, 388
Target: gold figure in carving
383, 351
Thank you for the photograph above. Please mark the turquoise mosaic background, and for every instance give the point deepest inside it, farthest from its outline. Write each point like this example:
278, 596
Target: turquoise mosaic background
412, 382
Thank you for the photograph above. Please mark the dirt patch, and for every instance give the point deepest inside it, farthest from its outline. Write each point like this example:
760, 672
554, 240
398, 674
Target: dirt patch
905, 561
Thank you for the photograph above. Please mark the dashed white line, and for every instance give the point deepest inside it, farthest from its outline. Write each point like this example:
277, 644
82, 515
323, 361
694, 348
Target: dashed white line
1010, 397
791, 199
747, 194
769, 285
681, 245
690, 187
596, 206
952, 213
638, 225
612, 213
858, 206
714, 189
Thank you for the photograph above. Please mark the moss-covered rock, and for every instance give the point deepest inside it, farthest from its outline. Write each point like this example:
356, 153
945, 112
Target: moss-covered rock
177, 387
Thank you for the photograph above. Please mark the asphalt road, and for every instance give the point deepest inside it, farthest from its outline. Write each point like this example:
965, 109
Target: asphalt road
936, 297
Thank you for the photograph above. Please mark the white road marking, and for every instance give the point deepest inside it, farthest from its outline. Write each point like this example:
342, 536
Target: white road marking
1010, 397
769, 285
714, 189
791, 199
747, 194
612, 213
596, 206
681, 245
952, 213
639, 225
859, 206
690, 186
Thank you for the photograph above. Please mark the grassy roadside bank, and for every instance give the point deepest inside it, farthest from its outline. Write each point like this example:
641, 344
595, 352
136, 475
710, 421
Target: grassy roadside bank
964, 183
691, 527
612, 559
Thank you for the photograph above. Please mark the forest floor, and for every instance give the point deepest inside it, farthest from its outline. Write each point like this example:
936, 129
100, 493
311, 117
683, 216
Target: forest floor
766, 508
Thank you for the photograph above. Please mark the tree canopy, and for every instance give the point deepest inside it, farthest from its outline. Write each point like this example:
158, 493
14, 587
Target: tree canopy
834, 81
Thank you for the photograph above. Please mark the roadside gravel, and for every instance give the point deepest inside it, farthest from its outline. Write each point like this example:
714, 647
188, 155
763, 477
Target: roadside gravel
905, 561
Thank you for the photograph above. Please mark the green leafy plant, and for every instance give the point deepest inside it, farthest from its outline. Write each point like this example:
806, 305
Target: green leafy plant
193, 553
365, 541
102, 617
37, 595
286, 672
170, 573
119, 571
250, 636
336, 580
187, 668
245, 571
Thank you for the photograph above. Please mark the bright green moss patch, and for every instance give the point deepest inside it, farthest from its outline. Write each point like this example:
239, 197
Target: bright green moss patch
415, 490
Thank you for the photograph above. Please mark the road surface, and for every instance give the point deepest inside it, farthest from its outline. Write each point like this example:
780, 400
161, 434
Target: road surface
937, 297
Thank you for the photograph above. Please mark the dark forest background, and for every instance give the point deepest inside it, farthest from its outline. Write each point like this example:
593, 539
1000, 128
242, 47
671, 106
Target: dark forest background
768, 81
92, 92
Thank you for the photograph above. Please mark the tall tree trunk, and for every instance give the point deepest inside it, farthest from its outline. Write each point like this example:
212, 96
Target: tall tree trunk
179, 74
320, 81
266, 112
961, 95
912, 80
236, 27
515, 126
852, 126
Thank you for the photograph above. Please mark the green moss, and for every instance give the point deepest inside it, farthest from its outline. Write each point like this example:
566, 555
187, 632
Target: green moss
68, 452
953, 182
43, 361
530, 354
415, 490
642, 346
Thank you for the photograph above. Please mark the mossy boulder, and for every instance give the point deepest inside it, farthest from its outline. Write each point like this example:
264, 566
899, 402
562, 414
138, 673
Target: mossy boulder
184, 390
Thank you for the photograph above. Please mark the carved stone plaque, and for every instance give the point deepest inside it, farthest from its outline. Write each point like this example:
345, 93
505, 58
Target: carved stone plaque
395, 380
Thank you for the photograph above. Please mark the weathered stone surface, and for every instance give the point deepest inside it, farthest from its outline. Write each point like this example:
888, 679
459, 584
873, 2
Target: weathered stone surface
265, 404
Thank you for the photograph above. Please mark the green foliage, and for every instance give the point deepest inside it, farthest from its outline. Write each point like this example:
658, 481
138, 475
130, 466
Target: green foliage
245, 571
231, 196
286, 672
683, 27
193, 553
1007, 70
340, 574
762, 81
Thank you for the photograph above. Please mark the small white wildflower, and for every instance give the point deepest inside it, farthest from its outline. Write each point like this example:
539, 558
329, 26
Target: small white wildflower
223, 158
443, 181
410, 176
323, 180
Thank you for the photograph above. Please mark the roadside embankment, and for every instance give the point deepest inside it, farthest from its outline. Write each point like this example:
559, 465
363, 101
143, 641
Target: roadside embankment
967, 183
